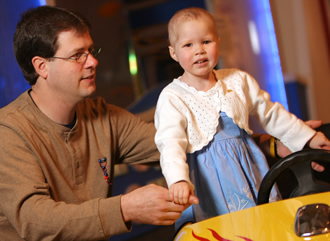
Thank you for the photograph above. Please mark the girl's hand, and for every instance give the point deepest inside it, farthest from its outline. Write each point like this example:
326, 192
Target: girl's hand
319, 141
180, 192
283, 151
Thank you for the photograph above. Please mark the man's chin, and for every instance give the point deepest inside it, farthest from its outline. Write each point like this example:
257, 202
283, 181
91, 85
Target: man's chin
89, 91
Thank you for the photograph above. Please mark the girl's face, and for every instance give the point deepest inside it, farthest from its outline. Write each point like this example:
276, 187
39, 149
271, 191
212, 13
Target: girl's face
196, 48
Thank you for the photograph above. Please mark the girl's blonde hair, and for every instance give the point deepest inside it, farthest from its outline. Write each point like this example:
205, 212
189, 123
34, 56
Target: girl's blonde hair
187, 14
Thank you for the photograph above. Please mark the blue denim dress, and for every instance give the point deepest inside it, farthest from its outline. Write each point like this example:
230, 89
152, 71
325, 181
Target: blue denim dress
226, 173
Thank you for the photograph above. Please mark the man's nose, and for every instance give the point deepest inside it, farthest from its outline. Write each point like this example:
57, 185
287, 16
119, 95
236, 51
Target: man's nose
91, 61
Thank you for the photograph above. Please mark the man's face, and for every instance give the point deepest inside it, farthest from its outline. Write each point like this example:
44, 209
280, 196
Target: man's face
70, 80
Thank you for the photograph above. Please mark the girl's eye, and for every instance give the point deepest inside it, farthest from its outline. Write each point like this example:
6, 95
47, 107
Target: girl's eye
187, 45
207, 41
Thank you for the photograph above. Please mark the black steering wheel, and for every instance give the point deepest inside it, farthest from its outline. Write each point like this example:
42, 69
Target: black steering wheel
300, 164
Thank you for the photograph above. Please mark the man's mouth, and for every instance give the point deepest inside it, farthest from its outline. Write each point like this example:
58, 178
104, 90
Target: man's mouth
88, 77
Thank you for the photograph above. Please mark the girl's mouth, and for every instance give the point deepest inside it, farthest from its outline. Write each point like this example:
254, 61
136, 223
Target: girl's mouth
201, 61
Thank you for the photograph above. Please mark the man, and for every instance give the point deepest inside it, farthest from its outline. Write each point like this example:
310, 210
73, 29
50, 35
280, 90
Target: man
58, 148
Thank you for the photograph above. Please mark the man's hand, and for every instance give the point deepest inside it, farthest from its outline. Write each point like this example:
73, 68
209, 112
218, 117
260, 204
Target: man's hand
151, 204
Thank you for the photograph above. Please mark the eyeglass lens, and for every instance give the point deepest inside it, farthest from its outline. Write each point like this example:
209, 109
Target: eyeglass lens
83, 57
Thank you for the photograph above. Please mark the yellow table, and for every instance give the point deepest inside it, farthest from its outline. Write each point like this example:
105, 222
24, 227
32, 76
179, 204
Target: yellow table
267, 222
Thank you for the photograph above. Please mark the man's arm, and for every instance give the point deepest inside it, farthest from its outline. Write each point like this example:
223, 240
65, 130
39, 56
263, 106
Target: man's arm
29, 208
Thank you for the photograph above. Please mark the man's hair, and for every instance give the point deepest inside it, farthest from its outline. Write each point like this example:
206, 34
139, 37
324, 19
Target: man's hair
37, 34
187, 14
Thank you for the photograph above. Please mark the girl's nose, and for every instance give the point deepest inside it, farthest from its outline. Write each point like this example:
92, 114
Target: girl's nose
200, 50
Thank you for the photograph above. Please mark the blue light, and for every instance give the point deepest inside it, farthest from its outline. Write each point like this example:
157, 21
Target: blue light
12, 82
270, 55
42, 2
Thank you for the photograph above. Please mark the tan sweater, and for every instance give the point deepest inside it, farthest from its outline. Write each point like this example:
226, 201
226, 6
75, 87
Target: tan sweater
51, 184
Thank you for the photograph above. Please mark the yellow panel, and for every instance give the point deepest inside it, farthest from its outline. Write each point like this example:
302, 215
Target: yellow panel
267, 222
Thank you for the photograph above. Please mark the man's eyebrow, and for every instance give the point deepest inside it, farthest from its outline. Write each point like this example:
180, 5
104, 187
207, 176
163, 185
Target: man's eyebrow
82, 49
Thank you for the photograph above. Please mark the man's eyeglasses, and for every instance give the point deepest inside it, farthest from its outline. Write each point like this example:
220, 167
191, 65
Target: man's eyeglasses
81, 57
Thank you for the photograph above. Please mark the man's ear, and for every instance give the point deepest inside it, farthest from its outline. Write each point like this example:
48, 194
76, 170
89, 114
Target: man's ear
40, 66
172, 53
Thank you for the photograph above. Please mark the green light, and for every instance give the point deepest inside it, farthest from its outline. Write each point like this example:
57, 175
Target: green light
133, 68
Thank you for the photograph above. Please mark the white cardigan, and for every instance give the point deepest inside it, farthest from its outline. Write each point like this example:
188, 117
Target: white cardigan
186, 119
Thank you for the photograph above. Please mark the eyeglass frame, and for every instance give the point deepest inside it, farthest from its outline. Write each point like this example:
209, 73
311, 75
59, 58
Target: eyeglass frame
94, 52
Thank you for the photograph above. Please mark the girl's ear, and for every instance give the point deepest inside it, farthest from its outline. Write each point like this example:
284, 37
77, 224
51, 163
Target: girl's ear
40, 66
172, 53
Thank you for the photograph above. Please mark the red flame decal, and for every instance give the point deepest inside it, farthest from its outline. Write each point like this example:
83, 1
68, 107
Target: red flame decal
217, 236
199, 238
246, 239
